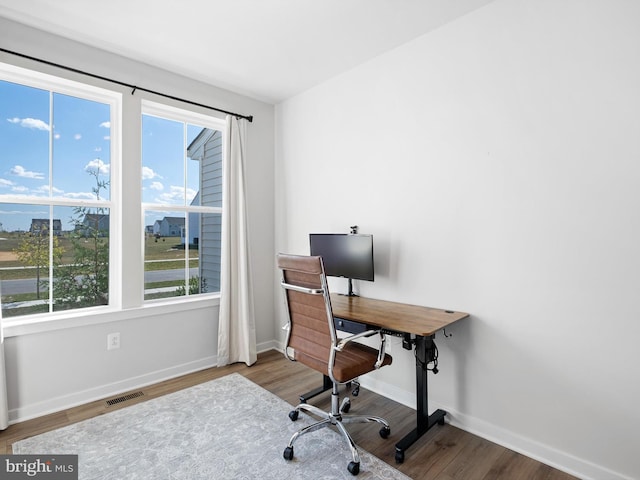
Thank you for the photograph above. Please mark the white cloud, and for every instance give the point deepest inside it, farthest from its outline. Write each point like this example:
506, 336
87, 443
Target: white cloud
56, 136
44, 189
176, 194
157, 186
30, 123
77, 136
148, 173
20, 189
191, 194
80, 195
97, 165
19, 171
106, 124
5, 183
8, 212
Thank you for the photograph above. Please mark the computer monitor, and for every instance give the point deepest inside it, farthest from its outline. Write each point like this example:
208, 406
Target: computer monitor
345, 255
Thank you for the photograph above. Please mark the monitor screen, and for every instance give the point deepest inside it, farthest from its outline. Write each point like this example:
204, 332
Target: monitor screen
344, 255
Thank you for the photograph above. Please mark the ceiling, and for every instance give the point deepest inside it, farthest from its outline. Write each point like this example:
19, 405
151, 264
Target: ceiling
266, 49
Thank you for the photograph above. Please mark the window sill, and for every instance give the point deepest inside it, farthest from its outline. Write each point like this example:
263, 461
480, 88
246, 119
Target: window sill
86, 317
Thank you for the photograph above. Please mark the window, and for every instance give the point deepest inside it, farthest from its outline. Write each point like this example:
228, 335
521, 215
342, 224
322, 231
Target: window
182, 201
62, 221
57, 158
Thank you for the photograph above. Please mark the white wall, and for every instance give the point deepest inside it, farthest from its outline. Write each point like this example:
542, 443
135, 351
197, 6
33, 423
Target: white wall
496, 162
54, 369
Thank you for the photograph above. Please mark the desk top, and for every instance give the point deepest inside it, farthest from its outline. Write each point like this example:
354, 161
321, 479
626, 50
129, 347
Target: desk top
400, 317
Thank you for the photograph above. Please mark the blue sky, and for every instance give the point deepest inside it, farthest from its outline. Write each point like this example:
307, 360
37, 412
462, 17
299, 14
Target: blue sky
80, 139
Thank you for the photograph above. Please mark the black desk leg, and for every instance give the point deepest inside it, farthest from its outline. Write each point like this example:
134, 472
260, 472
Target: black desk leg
326, 385
424, 421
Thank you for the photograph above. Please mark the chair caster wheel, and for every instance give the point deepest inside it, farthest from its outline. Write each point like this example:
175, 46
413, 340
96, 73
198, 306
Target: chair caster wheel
354, 468
346, 407
399, 456
288, 453
385, 432
293, 415
356, 391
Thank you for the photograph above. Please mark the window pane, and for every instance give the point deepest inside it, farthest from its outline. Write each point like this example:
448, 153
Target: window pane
81, 278
25, 254
24, 140
163, 154
53, 148
189, 237
81, 150
72, 247
164, 267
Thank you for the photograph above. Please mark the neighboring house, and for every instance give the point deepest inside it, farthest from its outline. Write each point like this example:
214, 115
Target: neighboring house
148, 229
205, 230
39, 225
92, 222
169, 227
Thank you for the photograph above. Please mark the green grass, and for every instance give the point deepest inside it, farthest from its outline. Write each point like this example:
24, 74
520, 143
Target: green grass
160, 254
16, 312
168, 249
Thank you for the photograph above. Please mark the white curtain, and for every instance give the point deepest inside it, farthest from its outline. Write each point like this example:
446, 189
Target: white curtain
236, 330
4, 408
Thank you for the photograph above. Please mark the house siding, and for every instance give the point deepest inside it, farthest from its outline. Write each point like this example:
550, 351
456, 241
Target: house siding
211, 224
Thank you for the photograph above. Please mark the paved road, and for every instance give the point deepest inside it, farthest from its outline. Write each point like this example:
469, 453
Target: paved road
14, 287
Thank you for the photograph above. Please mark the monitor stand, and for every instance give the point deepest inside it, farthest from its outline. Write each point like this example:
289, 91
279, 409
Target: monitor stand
351, 294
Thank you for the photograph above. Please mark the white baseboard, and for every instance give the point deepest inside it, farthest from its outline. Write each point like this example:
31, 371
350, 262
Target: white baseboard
28, 412
559, 460
266, 346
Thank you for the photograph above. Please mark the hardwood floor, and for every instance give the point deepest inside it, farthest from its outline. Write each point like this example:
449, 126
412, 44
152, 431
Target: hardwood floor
444, 453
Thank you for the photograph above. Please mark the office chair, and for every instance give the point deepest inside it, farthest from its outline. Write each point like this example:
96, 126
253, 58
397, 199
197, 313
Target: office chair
312, 341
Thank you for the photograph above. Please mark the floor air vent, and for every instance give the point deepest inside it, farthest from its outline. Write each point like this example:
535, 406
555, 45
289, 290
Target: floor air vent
124, 398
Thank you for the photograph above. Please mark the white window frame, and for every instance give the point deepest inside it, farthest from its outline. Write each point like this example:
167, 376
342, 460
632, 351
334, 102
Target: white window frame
51, 83
167, 112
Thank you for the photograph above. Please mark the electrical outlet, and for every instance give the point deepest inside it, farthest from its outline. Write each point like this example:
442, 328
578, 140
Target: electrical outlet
113, 341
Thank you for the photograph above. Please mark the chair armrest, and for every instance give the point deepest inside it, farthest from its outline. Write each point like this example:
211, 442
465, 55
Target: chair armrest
343, 342
381, 350
287, 328
368, 333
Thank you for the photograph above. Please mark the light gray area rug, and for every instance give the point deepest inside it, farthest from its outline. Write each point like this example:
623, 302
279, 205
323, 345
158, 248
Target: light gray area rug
228, 428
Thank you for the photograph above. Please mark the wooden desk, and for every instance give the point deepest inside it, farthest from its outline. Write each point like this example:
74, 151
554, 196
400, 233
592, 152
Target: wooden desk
400, 318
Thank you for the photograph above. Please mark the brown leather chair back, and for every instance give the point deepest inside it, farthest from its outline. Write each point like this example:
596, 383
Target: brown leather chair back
311, 330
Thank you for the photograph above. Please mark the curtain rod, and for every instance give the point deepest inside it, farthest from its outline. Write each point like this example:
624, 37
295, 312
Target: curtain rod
133, 87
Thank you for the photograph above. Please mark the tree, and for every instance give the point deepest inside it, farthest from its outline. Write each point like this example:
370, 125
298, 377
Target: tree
195, 286
85, 282
33, 250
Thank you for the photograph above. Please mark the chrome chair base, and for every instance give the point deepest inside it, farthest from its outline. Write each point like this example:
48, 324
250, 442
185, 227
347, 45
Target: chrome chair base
337, 417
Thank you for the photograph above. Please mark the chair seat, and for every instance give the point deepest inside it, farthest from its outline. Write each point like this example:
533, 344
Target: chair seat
354, 360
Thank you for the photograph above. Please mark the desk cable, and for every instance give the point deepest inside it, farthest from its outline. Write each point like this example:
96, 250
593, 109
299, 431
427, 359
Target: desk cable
432, 357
